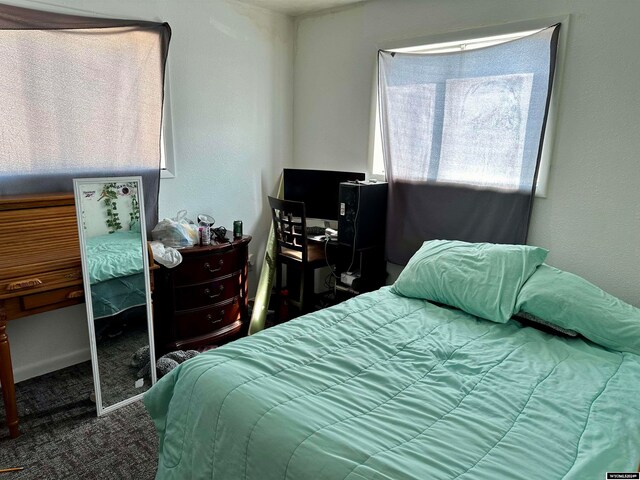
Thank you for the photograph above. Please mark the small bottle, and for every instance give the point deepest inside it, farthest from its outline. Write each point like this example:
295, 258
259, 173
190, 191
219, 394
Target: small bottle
205, 234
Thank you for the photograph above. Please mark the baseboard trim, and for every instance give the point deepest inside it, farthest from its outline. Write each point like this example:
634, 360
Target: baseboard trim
36, 369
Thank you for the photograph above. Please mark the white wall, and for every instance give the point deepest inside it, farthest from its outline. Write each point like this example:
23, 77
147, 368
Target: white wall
590, 219
230, 69
94, 210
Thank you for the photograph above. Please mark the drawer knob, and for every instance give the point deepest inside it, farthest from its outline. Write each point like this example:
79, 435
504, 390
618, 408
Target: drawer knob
208, 293
208, 267
217, 320
31, 282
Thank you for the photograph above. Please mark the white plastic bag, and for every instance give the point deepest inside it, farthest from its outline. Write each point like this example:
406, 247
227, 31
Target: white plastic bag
176, 232
167, 256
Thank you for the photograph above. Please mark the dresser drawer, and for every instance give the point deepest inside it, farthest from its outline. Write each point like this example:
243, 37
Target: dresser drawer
208, 293
51, 297
206, 320
200, 268
40, 282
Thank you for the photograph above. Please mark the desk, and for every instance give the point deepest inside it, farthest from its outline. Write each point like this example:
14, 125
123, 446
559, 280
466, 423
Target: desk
40, 270
369, 262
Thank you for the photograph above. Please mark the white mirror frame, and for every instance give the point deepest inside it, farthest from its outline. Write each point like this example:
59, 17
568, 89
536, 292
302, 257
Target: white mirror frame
77, 182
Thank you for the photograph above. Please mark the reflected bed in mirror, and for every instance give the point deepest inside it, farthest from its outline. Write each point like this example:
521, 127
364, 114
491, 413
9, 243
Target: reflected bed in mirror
116, 277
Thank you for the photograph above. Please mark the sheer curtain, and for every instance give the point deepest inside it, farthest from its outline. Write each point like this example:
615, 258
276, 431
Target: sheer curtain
80, 97
462, 138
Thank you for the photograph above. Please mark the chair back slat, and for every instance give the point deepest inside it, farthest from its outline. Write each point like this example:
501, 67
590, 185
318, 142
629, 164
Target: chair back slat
289, 225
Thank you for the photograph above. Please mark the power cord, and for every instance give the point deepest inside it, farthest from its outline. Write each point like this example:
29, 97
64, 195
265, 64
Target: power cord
355, 232
353, 252
220, 233
328, 283
326, 257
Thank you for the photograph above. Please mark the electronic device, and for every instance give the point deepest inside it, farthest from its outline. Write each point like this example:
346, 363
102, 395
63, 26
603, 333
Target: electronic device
331, 233
318, 189
349, 278
220, 234
314, 231
363, 212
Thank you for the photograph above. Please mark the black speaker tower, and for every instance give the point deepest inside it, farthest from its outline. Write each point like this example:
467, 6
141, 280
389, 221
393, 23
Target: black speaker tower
361, 233
363, 214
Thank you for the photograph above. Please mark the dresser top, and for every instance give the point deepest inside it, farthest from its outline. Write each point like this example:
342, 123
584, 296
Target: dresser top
216, 246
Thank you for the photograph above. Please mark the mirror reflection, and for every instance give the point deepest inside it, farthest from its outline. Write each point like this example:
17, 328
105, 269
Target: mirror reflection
116, 273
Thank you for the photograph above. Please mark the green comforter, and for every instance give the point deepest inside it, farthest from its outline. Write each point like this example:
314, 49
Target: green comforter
386, 387
114, 255
113, 296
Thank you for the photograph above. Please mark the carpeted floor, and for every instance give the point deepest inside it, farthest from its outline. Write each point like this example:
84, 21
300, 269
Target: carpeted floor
115, 351
63, 439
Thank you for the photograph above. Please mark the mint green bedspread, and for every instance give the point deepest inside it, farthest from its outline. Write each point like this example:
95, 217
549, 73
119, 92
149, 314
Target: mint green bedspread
114, 255
115, 266
386, 387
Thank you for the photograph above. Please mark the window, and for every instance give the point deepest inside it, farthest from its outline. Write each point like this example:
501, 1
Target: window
461, 133
79, 98
512, 95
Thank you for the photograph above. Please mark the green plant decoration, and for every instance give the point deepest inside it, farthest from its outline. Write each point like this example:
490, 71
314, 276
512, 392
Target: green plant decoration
134, 215
109, 195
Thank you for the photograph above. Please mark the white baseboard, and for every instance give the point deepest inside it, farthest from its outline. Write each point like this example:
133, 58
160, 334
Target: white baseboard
36, 369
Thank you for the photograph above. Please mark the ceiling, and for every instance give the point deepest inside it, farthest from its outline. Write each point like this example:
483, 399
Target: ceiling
299, 7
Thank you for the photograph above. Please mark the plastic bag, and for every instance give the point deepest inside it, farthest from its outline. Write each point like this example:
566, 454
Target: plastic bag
176, 232
167, 256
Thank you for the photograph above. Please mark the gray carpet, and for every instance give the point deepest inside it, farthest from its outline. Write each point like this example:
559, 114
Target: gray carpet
63, 439
117, 376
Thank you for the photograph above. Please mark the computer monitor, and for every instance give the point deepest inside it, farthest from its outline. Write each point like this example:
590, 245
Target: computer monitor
318, 189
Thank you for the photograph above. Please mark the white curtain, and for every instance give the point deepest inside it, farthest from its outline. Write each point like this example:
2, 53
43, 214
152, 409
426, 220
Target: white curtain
462, 138
79, 97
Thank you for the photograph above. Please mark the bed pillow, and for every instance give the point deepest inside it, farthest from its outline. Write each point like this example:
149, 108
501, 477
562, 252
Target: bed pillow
482, 279
571, 302
536, 322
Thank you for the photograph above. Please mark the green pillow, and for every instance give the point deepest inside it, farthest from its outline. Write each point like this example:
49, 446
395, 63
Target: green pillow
480, 278
569, 301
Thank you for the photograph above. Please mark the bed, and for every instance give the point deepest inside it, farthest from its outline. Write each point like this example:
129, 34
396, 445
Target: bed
386, 386
115, 269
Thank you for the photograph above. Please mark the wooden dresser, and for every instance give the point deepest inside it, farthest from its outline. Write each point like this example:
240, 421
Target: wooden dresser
39, 269
202, 301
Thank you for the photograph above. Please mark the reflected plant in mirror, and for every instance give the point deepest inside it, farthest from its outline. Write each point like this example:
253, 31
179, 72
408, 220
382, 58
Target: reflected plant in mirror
115, 266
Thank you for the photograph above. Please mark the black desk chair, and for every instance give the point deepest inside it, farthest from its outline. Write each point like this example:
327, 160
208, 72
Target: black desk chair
293, 249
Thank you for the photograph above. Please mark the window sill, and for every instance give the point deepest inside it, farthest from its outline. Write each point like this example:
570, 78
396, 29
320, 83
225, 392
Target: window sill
380, 177
164, 173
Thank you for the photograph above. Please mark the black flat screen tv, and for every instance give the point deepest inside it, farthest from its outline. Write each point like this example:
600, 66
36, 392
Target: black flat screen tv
318, 189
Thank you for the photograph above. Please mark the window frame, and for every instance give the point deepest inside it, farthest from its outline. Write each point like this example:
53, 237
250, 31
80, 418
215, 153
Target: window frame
166, 138
462, 37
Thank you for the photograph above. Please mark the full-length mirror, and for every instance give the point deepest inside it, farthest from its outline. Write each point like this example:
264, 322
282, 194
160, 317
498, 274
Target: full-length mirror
115, 265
